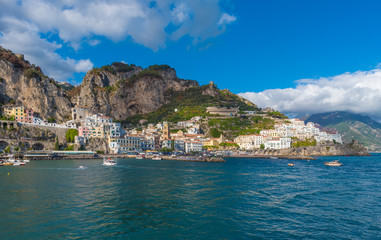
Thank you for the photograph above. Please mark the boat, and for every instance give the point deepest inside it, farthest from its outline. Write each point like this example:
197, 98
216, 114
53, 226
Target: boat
109, 162
273, 157
81, 167
334, 163
291, 164
11, 159
156, 158
139, 157
17, 163
8, 163
22, 163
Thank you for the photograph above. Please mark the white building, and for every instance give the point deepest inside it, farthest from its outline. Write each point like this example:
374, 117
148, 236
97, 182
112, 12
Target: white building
126, 144
193, 146
249, 142
278, 143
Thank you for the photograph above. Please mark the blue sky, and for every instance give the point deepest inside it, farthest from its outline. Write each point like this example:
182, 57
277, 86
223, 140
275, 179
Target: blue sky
272, 52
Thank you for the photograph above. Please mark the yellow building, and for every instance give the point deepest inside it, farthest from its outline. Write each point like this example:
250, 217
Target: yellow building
17, 112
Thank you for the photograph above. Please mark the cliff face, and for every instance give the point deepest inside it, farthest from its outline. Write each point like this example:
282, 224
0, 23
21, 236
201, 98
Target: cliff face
121, 90
24, 84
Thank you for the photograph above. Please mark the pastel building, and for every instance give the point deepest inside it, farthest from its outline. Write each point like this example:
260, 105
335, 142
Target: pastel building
125, 144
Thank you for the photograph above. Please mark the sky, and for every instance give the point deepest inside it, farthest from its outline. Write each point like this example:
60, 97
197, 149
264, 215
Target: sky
296, 56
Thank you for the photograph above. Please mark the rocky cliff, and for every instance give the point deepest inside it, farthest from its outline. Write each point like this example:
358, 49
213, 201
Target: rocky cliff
121, 90
22, 83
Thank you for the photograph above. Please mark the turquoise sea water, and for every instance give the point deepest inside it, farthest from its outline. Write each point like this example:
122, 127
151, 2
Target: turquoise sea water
239, 199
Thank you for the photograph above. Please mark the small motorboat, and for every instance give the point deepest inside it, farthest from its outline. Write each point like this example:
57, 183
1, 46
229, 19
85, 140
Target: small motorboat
140, 157
109, 162
273, 157
156, 158
291, 164
8, 163
81, 167
334, 163
17, 163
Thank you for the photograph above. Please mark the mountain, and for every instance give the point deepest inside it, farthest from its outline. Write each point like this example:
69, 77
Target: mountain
23, 83
352, 126
125, 92
121, 90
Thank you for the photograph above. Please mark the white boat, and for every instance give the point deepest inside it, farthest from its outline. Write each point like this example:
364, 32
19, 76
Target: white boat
26, 160
334, 163
17, 163
11, 159
156, 158
81, 167
139, 157
273, 157
109, 162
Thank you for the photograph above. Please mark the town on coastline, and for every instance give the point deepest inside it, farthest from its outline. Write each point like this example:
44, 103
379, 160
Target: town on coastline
89, 132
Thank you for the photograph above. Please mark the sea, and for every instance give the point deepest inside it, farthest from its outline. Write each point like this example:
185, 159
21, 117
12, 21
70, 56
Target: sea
242, 198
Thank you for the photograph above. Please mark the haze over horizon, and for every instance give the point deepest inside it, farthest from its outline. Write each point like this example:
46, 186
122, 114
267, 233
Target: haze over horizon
295, 56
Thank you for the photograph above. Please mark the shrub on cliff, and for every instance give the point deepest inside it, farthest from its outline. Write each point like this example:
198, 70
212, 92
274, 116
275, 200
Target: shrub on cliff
70, 135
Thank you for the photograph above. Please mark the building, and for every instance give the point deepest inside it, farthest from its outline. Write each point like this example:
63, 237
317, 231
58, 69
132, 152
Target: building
166, 132
193, 146
222, 111
166, 144
16, 112
278, 143
127, 144
80, 112
249, 142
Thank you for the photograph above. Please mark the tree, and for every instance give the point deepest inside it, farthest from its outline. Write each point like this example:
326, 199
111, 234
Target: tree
51, 120
7, 149
262, 146
57, 145
17, 149
70, 135
215, 133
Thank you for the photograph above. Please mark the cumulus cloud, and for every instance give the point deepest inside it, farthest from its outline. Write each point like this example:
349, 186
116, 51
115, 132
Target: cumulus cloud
24, 38
358, 92
149, 23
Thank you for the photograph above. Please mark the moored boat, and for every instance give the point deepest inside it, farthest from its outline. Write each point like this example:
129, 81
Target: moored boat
156, 158
334, 163
291, 164
8, 163
17, 163
140, 157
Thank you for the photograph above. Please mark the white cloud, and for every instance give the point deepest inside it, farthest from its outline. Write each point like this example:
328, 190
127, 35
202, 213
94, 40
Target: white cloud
358, 92
226, 19
24, 38
77, 22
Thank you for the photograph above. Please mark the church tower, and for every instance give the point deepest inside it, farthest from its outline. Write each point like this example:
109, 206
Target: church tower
166, 132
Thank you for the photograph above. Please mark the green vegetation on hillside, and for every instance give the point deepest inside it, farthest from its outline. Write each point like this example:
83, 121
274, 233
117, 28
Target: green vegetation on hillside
70, 135
33, 73
241, 126
145, 73
304, 143
190, 103
114, 68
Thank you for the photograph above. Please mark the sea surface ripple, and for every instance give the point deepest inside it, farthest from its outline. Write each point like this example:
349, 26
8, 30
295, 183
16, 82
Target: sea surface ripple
239, 199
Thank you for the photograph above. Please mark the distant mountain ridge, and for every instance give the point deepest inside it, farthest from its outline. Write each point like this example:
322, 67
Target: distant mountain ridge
351, 126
